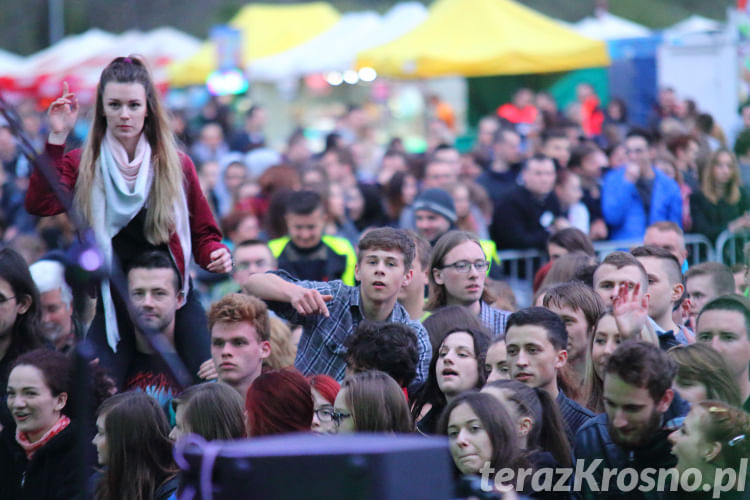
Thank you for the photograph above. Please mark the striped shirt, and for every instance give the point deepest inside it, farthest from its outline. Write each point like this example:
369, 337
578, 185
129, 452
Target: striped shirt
321, 348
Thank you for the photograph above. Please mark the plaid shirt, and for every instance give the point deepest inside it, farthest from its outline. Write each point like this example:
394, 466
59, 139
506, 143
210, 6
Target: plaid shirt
493, 318
321, 347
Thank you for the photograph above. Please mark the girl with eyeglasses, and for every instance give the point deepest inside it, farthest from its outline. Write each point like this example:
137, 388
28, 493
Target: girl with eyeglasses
457, 274
324, 390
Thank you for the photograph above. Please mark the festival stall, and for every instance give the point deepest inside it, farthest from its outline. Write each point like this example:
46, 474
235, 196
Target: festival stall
266, 30
484, 37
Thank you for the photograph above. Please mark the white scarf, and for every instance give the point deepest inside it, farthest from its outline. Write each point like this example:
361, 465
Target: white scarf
116, 200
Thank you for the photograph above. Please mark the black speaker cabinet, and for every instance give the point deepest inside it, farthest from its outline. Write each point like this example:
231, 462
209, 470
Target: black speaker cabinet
312, 467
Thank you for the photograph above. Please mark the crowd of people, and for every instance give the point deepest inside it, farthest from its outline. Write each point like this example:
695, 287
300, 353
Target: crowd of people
359, 290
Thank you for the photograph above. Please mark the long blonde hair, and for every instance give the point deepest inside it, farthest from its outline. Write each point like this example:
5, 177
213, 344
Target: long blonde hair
709, 187
593, 385
168, 177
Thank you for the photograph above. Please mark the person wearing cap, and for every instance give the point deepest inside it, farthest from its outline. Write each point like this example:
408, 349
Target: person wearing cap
526, 217
434, 214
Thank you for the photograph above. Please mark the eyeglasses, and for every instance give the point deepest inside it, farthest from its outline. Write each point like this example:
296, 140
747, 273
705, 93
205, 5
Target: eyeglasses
339, 416
463, 266
324, 414
3, 300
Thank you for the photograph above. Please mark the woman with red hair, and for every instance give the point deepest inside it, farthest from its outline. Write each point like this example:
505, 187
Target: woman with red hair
279, 402
324, 390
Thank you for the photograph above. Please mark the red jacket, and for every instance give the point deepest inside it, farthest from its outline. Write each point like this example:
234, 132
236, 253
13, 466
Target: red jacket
205, 234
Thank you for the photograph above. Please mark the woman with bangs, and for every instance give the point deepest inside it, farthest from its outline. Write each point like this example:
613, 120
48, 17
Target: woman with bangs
138, 193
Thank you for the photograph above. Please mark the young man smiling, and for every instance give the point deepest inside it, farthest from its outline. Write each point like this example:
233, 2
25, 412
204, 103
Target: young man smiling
536, 341
330, 312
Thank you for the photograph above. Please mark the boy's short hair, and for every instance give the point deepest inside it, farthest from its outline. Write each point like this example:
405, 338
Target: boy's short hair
238, 308
388, 347
674, 270
387, 238
578, 297
643, 365
303, 203
721, 276
539, 316
621, 259
155, 259
730, 302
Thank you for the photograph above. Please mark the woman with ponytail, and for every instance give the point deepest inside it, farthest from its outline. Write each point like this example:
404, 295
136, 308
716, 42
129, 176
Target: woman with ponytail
138, 193
540, 426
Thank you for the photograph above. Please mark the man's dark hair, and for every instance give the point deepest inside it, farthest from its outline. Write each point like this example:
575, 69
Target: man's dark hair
384, 346
387, 238
155, 259
643, 365
621, 259
537, 157
573, 240
674, 270
540, 316
640, 132
303, 203
251, 243
729, 302
553, 133
578, 153
721, 276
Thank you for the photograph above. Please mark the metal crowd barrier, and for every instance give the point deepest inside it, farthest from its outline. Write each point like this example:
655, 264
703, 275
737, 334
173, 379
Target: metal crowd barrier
730, 247
520, 265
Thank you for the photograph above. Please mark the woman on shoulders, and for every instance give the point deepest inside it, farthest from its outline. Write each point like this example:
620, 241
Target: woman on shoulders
138, 193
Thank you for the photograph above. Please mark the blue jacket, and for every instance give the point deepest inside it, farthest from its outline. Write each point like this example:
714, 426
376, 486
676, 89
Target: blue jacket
623, 209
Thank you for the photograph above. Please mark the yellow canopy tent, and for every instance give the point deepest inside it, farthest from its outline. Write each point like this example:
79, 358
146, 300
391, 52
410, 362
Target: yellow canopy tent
482, 38
266, 30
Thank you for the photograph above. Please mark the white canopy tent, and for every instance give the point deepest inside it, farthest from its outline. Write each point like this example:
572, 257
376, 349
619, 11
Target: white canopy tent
692, 25
79, 59
606, 26
336, 49
9, 61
